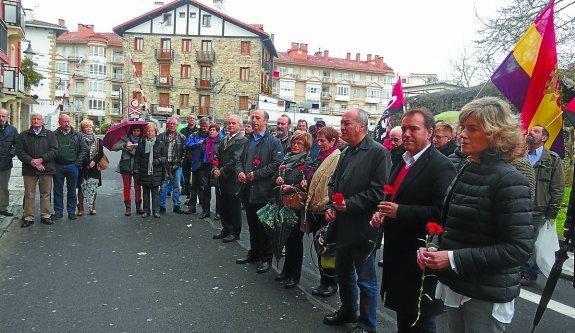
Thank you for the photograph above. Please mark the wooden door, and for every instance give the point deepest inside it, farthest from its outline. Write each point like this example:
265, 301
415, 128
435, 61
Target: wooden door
204, 105
164, 99
166, 48
164, 70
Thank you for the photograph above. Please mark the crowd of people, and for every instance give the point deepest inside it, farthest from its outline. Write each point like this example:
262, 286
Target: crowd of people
490, 188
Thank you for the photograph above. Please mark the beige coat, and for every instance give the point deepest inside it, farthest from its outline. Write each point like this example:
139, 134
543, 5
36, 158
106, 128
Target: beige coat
317, 195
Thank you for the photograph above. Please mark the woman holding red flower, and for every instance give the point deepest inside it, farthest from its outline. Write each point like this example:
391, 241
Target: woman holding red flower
291, 175
488, 226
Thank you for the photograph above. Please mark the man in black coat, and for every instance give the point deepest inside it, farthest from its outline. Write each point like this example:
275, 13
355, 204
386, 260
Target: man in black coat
444, 138
187, 163
360, 175
228, 156
260, 161
420, 181
8, 134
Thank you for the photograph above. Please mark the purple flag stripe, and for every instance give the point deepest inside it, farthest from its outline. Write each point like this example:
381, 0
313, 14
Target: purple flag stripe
512, 81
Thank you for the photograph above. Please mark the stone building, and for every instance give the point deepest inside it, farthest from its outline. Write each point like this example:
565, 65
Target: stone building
97, 60
191, 58
323, 84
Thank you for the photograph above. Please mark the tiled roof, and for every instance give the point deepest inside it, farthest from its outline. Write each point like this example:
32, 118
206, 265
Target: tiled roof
84, 37
37, 23
334, 63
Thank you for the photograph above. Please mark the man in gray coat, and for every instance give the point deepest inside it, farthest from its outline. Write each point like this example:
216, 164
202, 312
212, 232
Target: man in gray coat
8, 134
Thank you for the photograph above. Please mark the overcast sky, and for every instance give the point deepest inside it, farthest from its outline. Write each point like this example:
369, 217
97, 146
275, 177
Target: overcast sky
412, 35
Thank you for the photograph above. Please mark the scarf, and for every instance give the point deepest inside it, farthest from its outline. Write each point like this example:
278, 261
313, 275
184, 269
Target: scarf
92, 145
149, 149
134, 139
210, 149
321, 156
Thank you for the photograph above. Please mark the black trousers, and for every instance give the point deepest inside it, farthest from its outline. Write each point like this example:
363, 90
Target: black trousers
187, 172
260, 244
327, 275
230, 214
154, 193
194, 189
294, 252
205, 188
425, 324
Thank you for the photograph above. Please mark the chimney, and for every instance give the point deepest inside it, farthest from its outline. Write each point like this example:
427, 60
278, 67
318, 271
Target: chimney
303, 47
62, 23
369, 57
348, 56
358, 57
85, 28
158, 4
379, 61
326, 54
294, 46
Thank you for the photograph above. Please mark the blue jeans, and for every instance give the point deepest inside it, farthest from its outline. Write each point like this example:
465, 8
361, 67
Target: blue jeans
69, 173
175, 184
355, 268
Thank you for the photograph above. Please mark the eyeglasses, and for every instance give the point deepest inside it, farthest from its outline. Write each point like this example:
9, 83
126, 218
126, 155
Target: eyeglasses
297, 143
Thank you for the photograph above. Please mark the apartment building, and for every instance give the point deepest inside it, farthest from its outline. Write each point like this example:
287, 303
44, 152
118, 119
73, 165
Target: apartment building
319, 83
191, 58
96, 59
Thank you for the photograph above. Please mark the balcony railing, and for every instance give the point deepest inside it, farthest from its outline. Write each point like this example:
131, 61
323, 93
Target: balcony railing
203, 83
117, 77
3, 38
158, 110
13, 80
164, 81
74, 58
115, 112
202, 110
205, 56
325, 95
117, 59
14, 15
326, 79
115, 94
164, 54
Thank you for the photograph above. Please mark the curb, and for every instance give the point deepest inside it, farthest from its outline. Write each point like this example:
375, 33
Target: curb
16, 209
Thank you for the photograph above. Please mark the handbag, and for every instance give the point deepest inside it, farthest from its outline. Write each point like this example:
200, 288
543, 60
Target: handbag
294, 199
103, 164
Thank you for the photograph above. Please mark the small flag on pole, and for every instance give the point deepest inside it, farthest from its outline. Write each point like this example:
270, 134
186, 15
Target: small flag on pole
394, 106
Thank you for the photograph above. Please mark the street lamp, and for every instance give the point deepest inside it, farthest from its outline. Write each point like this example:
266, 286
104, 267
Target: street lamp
29, 53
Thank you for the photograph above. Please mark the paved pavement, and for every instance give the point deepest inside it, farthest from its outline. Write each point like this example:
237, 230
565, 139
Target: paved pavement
110, 273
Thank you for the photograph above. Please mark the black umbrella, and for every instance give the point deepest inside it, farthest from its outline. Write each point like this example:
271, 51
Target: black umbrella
560, 257
284, 224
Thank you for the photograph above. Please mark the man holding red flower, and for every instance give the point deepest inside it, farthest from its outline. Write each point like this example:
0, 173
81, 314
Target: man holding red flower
260, 161
355, 189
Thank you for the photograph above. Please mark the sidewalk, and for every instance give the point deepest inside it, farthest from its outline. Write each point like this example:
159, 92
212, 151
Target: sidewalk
16, 188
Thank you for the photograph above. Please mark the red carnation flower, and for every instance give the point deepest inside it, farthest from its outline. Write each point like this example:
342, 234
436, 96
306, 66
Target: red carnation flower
434, 228
215, 163
301, 168
388, 189
256, 163
337, 198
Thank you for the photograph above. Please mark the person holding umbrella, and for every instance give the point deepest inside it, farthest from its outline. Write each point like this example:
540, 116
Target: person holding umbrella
291, 174
487, 221
128, 145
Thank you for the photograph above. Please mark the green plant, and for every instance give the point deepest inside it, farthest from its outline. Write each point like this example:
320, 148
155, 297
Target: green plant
560, 220
31, 77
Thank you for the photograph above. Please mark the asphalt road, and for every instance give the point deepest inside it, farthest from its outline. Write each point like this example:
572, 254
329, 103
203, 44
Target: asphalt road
110, 273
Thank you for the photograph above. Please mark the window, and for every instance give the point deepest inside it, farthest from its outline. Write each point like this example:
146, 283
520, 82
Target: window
206, 45
185, 72
61, 67
98, 69
355, 92
118, 57
167, 20
343, 90
164, 99
96, 86
117, 73
79, 104
182, 14
184, 100
206, 20
116, 87
206, 73
96, 104
244, 73
244, 102
138, 67
186, 45
246, 48
313, 89
343, 107
192, 15
373, 93
138, 44
79, 86
97, 51
356, 78
62, 84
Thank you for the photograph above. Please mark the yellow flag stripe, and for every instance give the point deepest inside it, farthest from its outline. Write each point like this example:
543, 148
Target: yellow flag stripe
526, 50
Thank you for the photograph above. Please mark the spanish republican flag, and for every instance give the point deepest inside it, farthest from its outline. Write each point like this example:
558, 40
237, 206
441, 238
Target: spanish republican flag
528, 78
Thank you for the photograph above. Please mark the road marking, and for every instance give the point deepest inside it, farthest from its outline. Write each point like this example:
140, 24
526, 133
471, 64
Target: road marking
553, 305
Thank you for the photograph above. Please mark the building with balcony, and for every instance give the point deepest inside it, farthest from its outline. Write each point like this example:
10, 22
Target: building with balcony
96, 59
319, 83
12, 32
42, 35
195, 59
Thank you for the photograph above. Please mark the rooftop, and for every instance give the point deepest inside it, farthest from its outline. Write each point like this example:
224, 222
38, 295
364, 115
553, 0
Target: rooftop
87, 34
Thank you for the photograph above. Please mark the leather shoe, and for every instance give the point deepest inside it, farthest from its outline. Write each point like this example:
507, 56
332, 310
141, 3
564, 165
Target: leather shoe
6, 213
281, 276
339, 318
380, 263
359, 329
204, 215
156, 215
246, 260
190, 211
46, 220
230, 238
178, 210
72, 217
162, 210
217, 217
26, 223
57, 216
263, 267
328, 290
318, 290
219, 236
144, 215
290, 283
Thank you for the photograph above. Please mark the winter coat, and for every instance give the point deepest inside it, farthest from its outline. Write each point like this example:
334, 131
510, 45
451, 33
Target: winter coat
81, 148
228, 155
448, 148
269, 152
141, 164
317, 194
178, 147
126, 163
488, 226
196, 149
361, 183
420, 197
30, 146
8, 136
549, 184
187, 132
92, 172
457, 158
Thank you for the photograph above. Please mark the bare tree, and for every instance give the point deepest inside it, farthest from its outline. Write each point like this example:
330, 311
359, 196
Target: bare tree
499, 34
464, 69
